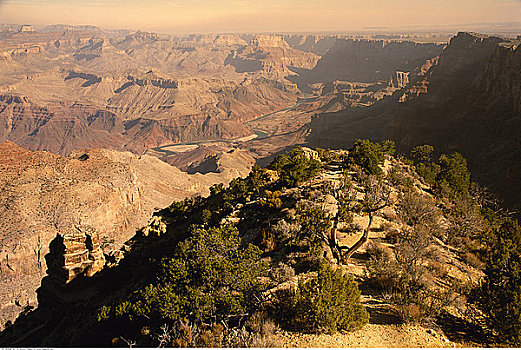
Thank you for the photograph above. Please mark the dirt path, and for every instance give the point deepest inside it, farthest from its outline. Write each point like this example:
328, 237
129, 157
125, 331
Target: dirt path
371, 336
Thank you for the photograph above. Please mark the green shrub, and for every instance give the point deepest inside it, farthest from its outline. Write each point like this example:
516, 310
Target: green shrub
500, 294
388, 147
398, 177
314, 223
295, 167
369, 156
326, 303
422, 154
327, 155
428, 171
425, 167
271, 200
450, 177
211, 275
454, 174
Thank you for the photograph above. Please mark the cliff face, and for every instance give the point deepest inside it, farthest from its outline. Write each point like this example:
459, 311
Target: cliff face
457, 69
471, 105
502, 76
467, 101
271, 55
91, 200
51, 127
370, 60
318, 44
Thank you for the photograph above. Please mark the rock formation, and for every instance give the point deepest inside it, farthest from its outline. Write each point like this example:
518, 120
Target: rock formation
468, 101
399, 80
140, 113
368, 60
68, 88
26, 28
75, 252
45, 196
272, 55
139, 90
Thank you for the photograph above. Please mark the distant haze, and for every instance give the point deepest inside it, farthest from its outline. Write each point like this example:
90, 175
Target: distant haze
182, 16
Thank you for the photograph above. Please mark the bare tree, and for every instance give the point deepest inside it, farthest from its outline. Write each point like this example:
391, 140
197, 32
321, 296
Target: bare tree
130, 343
376, 197
414, 209
165, 337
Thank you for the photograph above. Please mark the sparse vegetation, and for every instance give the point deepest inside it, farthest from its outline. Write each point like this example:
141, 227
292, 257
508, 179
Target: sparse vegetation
404, 278
500, 293
376, 198
282, 273
369, 156
221, 271
295, 167
406, 275
326, 303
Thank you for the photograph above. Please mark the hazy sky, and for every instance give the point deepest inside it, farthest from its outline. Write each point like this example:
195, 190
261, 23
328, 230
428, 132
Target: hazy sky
257, 15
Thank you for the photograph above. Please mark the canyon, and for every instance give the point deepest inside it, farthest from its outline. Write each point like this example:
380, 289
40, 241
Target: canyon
467, 101
193, 110
65, 88
102, 128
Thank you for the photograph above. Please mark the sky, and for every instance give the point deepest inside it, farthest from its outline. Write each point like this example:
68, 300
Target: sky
220, 16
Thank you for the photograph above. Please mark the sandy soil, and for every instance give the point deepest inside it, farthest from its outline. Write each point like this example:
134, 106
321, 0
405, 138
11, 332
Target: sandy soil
180, 148
371, 336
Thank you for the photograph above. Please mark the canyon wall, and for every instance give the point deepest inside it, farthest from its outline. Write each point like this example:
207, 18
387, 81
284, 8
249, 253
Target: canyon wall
92, 200
467, 101
369, 60
472, 105
62, 91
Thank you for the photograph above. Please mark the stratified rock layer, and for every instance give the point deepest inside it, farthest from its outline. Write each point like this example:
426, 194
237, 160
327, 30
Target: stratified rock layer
78, 253
45, 196
468, 100
369, 60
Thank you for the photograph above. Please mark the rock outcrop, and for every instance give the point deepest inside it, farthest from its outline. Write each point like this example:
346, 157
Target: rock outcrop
270, 54
318, 44
399, 80
26, 28
75, 252
45, 196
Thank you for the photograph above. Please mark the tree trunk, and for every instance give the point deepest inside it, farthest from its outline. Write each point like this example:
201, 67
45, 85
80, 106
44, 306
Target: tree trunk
360, 242
333, 241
